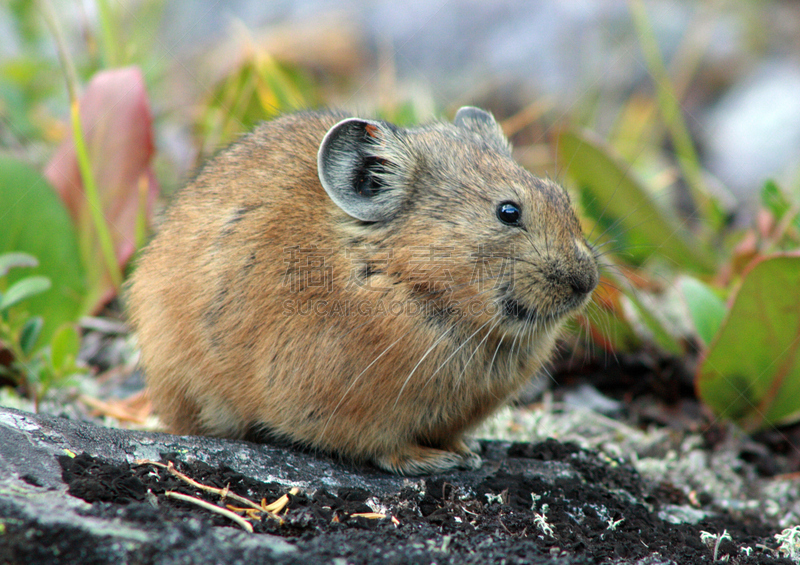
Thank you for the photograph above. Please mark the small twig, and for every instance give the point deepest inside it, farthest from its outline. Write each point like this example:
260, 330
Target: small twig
212, 507
463, 509
149, 462
270, 509
224, 493
276, 506
370, 515
279, 504
251, 513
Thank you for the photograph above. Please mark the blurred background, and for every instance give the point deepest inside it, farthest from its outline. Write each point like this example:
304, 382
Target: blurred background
735, 67
675, 123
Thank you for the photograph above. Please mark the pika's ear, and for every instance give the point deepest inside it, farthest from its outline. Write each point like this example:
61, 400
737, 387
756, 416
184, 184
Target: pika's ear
483, 123
354, 174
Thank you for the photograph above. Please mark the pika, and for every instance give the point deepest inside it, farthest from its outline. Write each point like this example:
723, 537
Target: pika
357, 288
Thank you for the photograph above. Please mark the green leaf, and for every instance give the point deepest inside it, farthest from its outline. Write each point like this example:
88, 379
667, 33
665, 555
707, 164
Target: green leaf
64, 347
10, 261
661, 335
29, 334
774, 200
24, 289
706, 309
33, 220
619, 201
751, 373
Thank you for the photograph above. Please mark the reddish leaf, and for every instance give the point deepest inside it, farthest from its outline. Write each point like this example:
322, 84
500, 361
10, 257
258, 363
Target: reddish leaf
605, 319
117, 127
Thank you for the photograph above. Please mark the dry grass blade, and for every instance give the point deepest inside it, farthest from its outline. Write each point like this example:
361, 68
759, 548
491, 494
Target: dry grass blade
370, 515
279, 504
276, 506
134, 409
253, 511
213, 508
223, 493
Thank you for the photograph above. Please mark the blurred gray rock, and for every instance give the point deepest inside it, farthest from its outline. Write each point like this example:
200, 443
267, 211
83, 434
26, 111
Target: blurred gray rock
588, 397
753, 133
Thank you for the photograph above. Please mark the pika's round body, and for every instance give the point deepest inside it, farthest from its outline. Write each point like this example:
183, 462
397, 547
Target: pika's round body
358, 288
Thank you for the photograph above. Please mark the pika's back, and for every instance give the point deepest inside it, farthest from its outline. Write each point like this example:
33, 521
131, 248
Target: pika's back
360, 288
228, 227
276, 162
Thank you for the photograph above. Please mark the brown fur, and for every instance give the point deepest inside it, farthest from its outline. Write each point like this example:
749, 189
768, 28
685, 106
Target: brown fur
223, 297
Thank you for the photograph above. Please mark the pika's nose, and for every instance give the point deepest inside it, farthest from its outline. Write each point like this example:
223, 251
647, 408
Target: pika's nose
583, 282
583, 277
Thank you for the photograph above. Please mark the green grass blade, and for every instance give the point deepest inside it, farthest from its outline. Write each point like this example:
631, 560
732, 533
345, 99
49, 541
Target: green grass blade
93, 197
673, 118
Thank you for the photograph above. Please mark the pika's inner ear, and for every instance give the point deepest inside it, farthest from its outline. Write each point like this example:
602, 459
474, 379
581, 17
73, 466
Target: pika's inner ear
483, 123
353, 172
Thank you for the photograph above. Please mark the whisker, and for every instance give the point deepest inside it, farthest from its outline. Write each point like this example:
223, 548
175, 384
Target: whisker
488, 333
496, 349
414, 370
457, 349
353, 383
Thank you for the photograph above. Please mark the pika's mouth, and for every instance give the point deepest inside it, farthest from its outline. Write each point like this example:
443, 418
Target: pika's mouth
513, 309
530, 315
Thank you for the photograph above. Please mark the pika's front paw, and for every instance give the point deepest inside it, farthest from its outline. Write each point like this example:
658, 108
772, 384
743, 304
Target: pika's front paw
418, 460
470, 461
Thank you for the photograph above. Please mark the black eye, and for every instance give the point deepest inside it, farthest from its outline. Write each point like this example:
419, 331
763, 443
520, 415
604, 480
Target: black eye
509, 213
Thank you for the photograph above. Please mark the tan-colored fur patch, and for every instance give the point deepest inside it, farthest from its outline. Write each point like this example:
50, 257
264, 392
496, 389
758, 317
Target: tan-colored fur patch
262, 303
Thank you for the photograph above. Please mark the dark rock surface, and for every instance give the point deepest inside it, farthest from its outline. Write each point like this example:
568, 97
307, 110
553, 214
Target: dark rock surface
73, 492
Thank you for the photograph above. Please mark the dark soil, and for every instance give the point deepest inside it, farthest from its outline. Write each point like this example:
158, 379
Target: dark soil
656, 389
600, 511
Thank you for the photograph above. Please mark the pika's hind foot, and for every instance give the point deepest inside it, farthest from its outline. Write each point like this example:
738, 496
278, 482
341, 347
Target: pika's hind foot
418, 460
